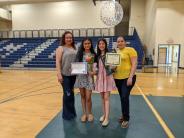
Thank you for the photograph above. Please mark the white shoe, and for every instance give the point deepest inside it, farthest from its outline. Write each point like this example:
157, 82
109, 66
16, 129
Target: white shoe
102, 118
105, 123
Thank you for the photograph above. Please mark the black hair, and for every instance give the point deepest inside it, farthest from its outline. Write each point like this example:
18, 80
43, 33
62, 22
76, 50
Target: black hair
98, 49
81, 50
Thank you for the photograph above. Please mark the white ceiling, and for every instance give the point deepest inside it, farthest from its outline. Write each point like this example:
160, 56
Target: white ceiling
9, 2
4, 2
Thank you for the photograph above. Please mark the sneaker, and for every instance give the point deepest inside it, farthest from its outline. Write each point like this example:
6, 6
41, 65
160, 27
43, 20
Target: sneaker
124, 124
120, 120
90, 118
105, 123
84, 118
102, 118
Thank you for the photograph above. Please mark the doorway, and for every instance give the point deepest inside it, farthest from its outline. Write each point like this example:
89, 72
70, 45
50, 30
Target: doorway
169, 57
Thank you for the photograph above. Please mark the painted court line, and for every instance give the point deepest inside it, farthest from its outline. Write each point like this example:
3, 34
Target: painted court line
158, 117
27, 90
27, 84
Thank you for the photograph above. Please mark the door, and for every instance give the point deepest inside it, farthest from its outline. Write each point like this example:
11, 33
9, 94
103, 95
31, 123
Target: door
162, 55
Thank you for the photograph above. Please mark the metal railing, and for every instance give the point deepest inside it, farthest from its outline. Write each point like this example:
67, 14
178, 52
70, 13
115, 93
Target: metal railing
51, 33
57, 33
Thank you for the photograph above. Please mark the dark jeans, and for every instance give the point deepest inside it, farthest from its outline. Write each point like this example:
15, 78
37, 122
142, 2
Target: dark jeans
68, 97
124, 92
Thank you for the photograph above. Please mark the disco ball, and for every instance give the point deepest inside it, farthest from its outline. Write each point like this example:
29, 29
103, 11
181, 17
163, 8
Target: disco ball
111, 13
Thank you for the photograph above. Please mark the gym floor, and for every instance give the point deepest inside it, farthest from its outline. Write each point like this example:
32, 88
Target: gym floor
31, 106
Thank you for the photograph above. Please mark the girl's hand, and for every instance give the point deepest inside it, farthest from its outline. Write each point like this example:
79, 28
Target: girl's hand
129, 81
95, 69
91, 73
112, 67
60, 78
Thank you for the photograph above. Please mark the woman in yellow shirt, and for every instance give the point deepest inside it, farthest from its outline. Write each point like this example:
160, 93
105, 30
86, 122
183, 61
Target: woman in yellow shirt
125, 77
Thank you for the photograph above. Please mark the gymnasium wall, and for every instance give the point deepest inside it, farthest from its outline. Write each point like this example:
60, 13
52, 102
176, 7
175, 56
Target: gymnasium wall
57, 15
137, 18
5, 19
169, 25
5, 14
5, 25
182, 45
150, 26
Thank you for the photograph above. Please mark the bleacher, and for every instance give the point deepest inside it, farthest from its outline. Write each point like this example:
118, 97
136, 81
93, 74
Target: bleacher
13, 50
40, 52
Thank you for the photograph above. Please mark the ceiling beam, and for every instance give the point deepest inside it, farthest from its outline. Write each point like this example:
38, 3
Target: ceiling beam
94, 1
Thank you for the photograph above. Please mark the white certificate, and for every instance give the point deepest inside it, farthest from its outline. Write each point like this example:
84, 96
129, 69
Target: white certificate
79, 68
113, 59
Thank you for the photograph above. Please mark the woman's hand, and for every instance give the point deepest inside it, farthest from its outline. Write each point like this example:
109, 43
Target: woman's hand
60, 78
129, 81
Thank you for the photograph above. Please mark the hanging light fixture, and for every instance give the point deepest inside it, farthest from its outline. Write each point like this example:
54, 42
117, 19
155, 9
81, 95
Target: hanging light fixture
111, 13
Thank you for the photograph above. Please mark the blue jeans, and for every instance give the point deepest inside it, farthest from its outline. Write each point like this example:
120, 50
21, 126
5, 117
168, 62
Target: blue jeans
68, 97
124, 93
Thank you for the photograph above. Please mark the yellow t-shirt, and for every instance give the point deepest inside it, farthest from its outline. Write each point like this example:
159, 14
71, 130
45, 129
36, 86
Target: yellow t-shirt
123, 71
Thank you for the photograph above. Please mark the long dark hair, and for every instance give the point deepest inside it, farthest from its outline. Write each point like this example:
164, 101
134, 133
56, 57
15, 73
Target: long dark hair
81, 50
62, 41
98, 49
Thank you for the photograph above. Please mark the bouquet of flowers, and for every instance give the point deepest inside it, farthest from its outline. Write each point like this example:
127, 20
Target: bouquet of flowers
90, 60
